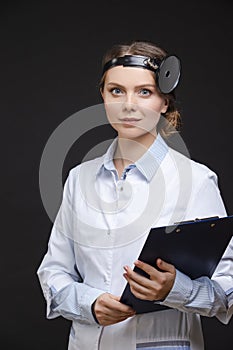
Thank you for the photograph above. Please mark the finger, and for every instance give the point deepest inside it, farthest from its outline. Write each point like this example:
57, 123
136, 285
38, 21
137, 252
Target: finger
115, 297
115, 305
113, 317
127, 308
106, 313
139, 295
138, 290
109, 321
136, 277
164, 266
132, 275
106, 319
150, 270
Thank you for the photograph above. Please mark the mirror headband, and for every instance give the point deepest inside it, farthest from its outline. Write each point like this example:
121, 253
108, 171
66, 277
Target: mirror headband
167, 70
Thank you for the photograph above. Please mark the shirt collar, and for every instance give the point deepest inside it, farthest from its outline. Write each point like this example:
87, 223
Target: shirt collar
148, 164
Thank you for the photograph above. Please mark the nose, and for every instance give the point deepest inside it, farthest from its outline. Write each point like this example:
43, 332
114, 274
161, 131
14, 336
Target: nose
129, 105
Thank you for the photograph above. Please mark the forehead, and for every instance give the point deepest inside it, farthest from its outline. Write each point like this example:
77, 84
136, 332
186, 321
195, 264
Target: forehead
129, 75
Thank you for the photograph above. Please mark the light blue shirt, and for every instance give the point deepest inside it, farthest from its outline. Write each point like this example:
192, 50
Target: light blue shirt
102, 225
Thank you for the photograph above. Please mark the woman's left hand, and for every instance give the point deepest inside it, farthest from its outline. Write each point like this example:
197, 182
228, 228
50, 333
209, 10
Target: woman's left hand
157, 286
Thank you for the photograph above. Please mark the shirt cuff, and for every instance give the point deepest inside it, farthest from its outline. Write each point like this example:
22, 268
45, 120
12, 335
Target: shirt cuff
180, 292
87, 300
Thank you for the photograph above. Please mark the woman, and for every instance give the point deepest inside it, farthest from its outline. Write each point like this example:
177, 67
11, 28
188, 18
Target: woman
109, 205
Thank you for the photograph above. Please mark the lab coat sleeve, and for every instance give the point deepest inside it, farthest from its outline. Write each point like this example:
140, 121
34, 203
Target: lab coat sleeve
208, 297
62, 285
223, 275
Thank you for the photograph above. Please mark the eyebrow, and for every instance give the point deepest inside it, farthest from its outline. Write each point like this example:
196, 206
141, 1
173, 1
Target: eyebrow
138, 86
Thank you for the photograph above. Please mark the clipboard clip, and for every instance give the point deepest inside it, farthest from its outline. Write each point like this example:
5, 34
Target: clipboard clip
196, 220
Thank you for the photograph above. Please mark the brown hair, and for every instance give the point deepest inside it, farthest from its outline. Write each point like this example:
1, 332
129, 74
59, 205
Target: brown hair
172, 120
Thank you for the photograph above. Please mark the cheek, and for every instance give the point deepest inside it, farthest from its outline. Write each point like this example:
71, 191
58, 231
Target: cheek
155, 101
152, 119
112, 110
156, 105
151, 110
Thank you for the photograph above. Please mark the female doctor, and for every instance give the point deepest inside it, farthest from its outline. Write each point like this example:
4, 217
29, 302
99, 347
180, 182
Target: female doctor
109, 205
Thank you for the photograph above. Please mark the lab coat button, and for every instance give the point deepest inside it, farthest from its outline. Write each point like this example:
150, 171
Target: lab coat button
120, 186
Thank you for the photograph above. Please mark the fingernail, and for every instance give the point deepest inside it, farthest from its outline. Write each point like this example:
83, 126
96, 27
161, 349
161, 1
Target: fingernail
138, 262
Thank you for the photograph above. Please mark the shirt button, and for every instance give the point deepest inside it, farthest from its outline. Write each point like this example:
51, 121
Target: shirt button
120, 186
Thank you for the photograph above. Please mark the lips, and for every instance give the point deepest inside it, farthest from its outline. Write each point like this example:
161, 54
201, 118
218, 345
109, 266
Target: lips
130, 121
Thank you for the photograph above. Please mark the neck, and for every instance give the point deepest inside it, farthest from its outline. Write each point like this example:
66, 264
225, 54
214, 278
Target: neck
128, 151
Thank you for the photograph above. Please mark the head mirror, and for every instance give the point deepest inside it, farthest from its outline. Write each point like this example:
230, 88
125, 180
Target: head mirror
167, 71
168, 74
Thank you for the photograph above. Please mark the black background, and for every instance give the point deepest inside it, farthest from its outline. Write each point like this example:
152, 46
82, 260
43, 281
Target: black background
50, 66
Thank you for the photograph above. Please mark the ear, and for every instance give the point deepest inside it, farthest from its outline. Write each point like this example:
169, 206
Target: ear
165, 106
101, 93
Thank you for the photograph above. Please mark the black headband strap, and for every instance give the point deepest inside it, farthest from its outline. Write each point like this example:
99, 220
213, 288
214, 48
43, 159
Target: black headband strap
133, 61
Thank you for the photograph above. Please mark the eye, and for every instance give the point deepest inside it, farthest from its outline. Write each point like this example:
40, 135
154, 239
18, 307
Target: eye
145, 92
116, 91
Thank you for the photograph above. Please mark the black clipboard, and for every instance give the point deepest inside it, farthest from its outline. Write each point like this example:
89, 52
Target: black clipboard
193, 247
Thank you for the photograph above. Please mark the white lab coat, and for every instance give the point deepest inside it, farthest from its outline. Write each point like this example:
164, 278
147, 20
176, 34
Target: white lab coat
102, 225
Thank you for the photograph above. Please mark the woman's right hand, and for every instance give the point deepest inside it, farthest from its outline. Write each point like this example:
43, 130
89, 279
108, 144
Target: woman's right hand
109, 310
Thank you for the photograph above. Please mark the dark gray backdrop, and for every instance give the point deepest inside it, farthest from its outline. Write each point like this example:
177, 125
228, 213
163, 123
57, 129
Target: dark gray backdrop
50, 65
